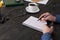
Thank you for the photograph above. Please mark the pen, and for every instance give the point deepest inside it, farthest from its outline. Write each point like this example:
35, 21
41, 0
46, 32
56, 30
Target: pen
43, 17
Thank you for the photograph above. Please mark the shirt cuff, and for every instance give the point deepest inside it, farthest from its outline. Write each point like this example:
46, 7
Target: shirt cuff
58, 18
46, 36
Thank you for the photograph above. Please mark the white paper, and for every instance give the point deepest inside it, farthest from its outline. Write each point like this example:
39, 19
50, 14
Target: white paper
33, 22
40, 2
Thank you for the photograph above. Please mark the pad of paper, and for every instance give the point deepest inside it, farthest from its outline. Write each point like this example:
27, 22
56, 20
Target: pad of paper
33, 22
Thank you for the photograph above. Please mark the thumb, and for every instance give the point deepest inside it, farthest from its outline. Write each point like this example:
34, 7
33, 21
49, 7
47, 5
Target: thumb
51, 27
43, 19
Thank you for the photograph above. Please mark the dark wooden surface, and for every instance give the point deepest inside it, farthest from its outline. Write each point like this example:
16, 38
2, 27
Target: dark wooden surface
13, 28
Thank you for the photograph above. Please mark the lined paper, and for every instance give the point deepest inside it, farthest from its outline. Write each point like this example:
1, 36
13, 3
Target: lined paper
33, 22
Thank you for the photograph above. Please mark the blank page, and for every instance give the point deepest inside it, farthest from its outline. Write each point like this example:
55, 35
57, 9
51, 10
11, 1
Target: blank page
33, 22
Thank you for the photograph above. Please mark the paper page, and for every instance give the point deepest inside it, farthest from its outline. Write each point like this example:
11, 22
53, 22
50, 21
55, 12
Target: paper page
33, 22
40, 2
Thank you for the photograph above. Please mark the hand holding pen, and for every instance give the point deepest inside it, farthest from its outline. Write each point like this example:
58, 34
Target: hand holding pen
47, 16
49, 27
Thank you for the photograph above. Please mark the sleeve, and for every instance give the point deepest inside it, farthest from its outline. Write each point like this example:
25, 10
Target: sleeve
46, 36
58, 18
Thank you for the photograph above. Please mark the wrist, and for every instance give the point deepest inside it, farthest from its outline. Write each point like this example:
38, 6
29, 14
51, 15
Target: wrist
54, 19
46, 36
47, 33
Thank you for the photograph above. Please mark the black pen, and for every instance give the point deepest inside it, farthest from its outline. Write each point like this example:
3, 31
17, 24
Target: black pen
42, 17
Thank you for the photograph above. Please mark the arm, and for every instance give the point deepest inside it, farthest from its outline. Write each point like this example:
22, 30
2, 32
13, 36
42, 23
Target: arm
46, 36
47, 31
50, 17
57, 18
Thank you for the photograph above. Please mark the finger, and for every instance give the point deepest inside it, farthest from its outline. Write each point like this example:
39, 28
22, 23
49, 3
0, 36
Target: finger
44, 14
43, 19
45, 25
47, 18
51, 27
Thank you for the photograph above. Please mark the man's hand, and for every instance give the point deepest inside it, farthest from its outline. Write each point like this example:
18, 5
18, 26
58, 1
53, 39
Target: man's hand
48, 17
47, 29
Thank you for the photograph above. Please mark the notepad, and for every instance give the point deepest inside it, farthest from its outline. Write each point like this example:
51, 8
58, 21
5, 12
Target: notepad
40, 2
33, 23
